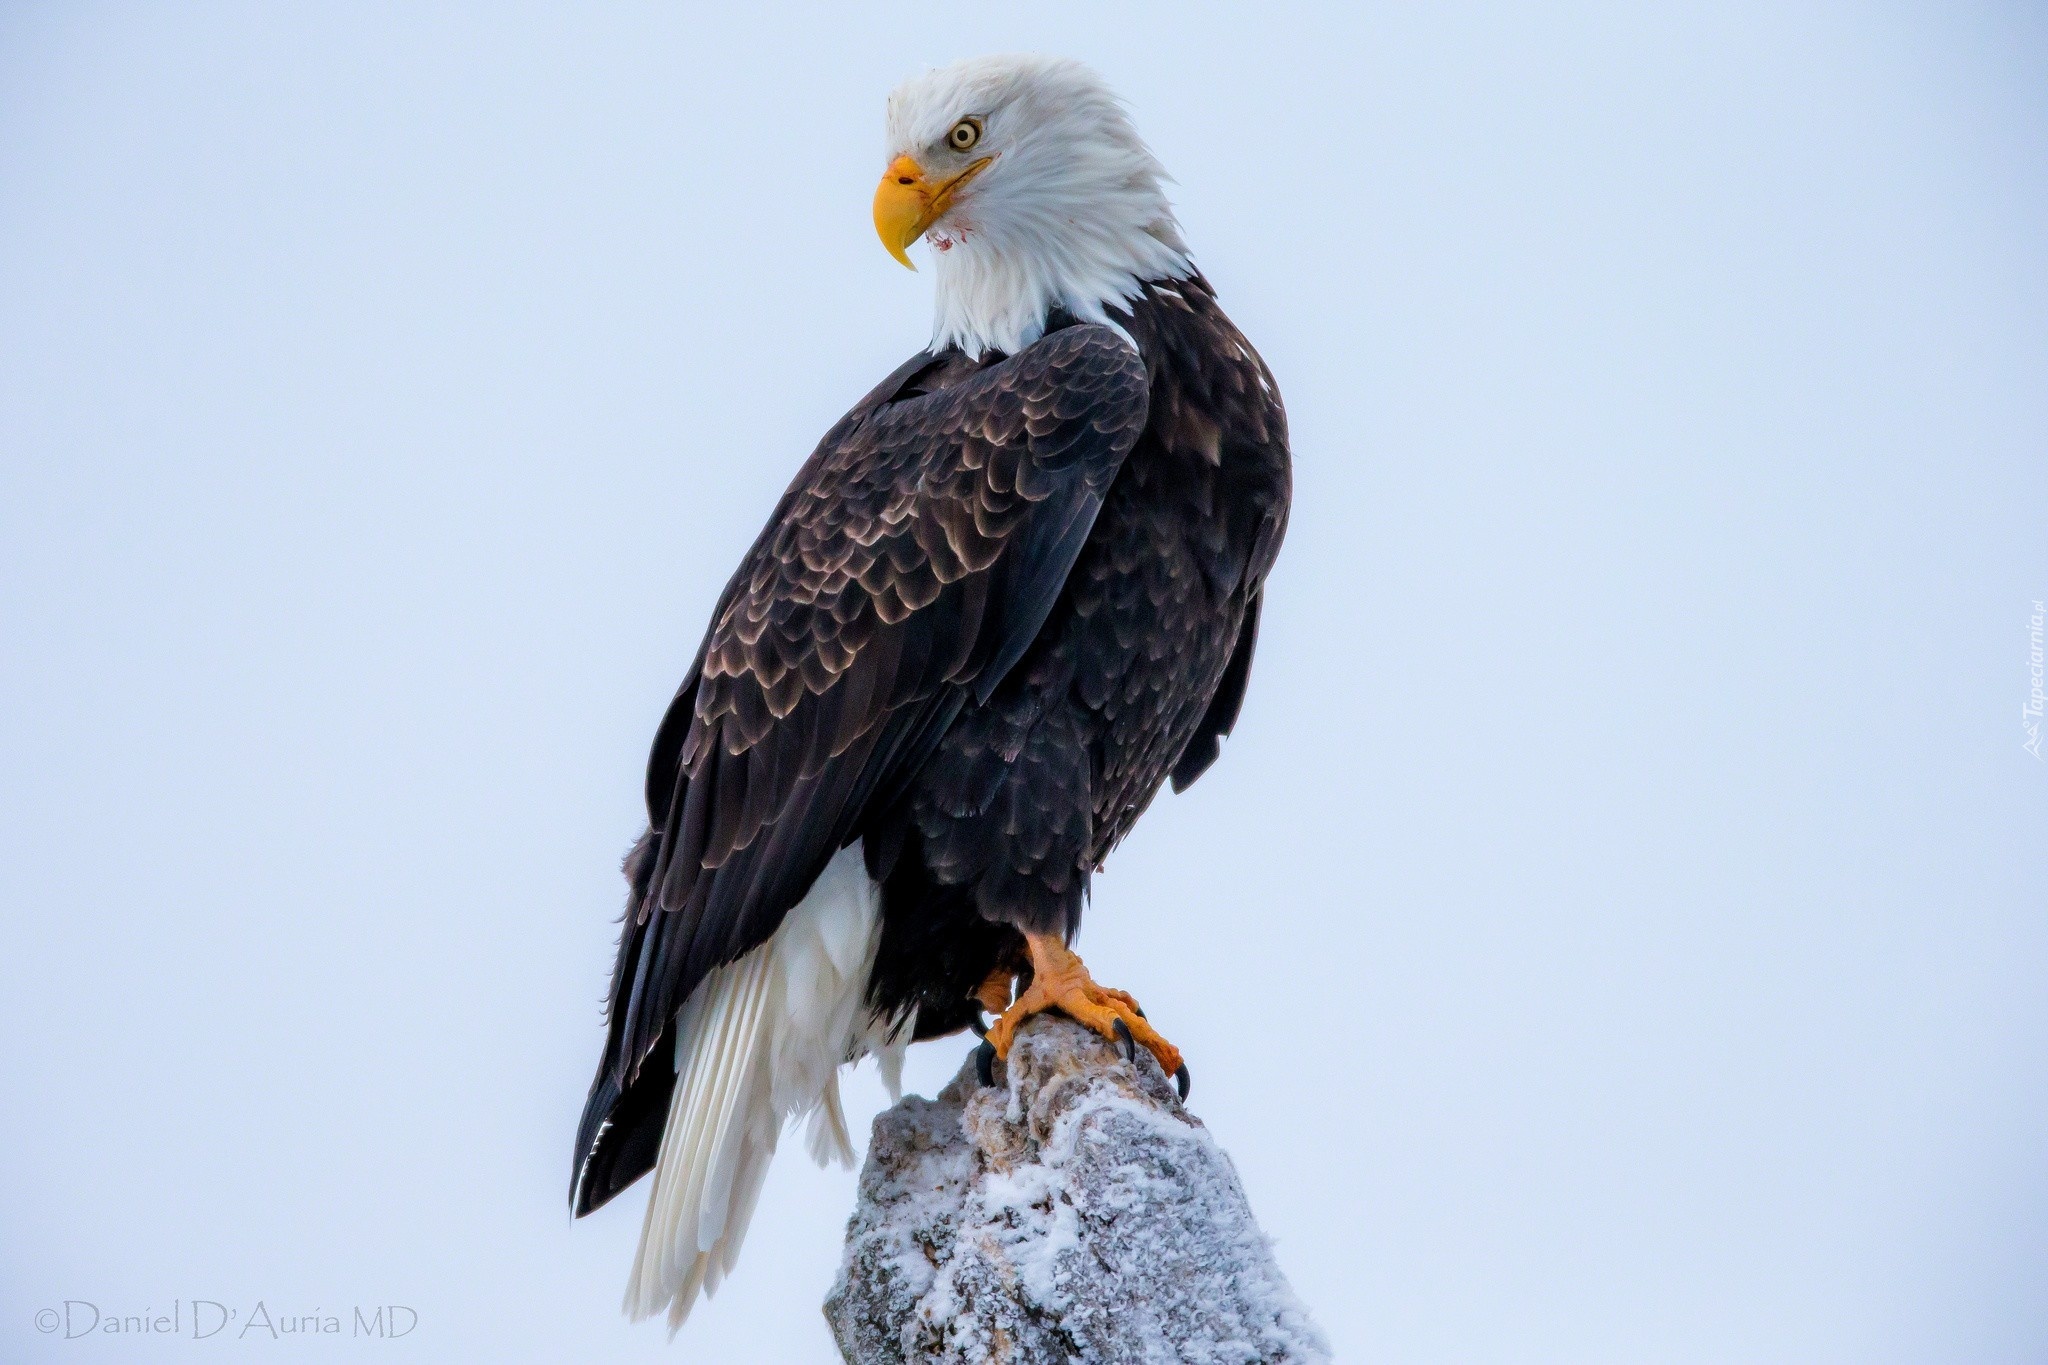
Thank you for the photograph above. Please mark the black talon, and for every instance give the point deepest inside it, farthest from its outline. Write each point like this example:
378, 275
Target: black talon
978, 1023
985, 1064
1183, 1082
1129, 1044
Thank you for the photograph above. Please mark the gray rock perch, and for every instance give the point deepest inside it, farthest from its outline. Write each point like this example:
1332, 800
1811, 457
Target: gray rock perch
1078, 1214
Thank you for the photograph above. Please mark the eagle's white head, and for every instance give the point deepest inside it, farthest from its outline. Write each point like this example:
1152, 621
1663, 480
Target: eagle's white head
1035, 192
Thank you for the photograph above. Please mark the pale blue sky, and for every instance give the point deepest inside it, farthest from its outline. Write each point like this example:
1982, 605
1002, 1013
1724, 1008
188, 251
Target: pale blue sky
1615, 933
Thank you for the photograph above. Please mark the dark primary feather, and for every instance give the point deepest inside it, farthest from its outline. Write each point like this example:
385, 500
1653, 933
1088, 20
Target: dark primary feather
910, 565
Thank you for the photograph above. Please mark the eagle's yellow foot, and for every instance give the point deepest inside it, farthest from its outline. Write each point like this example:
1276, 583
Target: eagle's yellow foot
1060, 982
993, 994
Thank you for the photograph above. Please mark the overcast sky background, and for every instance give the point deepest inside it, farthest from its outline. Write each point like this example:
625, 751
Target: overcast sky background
1615, 932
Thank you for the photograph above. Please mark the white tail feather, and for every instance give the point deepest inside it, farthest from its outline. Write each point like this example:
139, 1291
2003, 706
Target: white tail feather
758, 1043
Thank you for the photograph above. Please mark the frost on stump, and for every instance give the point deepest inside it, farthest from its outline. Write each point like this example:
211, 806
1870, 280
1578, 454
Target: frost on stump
1077, 1214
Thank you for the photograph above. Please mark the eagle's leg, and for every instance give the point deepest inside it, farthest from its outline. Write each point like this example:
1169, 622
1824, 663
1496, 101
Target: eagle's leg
1060, 982
994, 993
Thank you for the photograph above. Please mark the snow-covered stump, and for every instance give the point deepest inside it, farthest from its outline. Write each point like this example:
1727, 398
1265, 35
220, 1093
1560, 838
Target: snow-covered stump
1078, 1213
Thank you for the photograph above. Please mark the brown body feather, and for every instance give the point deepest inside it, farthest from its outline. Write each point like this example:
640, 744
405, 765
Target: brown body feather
1003, 602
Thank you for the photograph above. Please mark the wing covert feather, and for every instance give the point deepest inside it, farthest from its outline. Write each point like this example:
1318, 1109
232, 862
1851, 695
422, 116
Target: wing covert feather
911, 563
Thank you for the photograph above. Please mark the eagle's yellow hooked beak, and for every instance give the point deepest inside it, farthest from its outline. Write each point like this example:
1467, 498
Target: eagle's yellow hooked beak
906, 202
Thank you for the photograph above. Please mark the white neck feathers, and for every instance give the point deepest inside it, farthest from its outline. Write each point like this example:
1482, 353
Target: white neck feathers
999, 279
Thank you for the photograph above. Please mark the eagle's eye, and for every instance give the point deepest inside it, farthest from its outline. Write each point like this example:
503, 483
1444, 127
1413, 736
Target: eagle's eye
965, 134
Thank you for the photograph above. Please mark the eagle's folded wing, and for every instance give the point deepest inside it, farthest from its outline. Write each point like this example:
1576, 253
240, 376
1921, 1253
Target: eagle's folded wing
911, 563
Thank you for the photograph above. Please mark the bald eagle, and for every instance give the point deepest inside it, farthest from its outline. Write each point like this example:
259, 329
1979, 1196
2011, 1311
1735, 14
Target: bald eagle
1013, 592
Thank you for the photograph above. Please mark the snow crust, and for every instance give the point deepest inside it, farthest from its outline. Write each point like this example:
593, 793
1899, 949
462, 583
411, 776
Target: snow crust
1075, 1212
